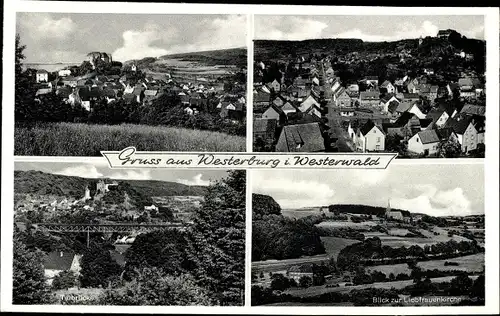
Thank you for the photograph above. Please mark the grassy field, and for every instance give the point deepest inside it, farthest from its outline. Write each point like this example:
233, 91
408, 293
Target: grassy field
298, 213
341, 224
75, 139
472, 263
333, 245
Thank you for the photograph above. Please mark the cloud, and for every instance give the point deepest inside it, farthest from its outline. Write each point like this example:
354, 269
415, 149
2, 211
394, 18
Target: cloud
42, 25
288, 28
407, 31
196, 180
84, 171
292, 193
131, 175
475, 32
435, 202
137, 44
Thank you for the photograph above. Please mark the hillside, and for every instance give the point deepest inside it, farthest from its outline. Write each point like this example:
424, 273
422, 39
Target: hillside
41, 183
362, 209
233, 56
264, 205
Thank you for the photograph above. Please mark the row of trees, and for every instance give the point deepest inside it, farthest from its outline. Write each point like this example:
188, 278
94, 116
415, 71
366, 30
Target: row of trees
201, 265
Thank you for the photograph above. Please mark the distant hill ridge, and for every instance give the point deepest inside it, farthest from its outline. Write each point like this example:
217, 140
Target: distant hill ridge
364, 209
231, 56
42, 183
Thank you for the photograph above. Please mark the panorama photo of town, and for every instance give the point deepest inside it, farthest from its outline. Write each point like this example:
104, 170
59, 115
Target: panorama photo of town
404, 236
91, 82
85, 234
364, 84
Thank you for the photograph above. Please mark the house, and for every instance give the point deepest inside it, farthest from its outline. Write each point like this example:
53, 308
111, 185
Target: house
42, 75
469, 130
189, 110
64, 72
402, 107
261, 99
407, 125
396, 215
369, 137
297, 272
386, 100
411, 97
347, 111
275, 85
341, 98
416, 109
308, 103
371, 81
152, 207
424, 142
444, 34
278, 101
438, 117
314, 110
301, 138
387, 87
288, 108
58, 261
369, 98
472, 109
264, 129
274, 113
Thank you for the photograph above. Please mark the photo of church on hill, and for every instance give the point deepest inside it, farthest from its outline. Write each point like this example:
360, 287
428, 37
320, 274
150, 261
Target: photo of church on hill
357, 84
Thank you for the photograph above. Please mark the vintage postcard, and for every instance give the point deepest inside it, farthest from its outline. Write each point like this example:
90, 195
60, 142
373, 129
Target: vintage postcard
357, 83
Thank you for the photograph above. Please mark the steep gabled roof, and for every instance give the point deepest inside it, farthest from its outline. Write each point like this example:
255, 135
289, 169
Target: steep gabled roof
367, 127
308, 136
58, 260
428, 136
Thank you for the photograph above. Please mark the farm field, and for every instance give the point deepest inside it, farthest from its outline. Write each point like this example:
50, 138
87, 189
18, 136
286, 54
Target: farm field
318, 290
335, 224
333, 245
279, 265
471, 263
299, 213
76, 139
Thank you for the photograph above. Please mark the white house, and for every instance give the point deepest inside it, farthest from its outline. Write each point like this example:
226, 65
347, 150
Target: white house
369, 137
64, 72
388, 86
59, 261
307, 103
415, 109
42, 76
152, 207
424, 142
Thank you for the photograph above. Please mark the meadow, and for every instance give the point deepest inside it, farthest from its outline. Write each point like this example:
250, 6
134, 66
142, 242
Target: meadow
471, 263
78, 139
333, 245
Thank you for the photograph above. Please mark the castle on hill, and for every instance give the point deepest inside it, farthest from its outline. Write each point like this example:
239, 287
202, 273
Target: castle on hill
101, 189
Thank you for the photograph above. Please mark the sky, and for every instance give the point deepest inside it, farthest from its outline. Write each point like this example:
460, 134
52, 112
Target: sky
368, 28
437, 190
98, 170
68, 37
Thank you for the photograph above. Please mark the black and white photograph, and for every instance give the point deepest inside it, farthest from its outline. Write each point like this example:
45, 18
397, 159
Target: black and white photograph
412, 85
87, 82
405, 236
86, 234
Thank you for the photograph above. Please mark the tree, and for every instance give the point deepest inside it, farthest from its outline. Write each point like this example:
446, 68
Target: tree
218, 239
460, 285
97, 267
305, 281
152, 287
279, 282
25, 108
449, 148
65, 280
29, 284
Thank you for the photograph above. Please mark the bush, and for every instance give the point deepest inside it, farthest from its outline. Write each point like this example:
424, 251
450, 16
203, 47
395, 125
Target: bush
305, 281
65, 280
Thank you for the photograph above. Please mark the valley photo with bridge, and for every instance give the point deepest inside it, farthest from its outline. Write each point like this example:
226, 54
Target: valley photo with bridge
405, 236
87, 234
97, 81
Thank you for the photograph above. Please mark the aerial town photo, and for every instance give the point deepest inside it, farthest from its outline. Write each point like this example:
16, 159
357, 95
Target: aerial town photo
85, 234
91, 82
405, 236
368, 84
